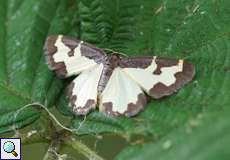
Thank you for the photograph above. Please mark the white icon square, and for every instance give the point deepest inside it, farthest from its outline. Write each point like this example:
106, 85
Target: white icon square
10, 148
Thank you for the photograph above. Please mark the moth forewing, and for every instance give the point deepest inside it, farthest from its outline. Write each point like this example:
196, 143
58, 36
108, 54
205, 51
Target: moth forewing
68, 56
162, 77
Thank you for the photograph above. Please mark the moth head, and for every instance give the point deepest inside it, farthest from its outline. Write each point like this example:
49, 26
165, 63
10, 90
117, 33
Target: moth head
113, 59
115, 56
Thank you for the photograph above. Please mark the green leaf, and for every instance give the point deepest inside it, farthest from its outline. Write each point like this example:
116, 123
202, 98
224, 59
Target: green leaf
199, 32
195, 30
207, 137
24, 76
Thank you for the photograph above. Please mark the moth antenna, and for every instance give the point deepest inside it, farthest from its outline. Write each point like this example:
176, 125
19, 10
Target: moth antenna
107, 49
110, 50
121, 53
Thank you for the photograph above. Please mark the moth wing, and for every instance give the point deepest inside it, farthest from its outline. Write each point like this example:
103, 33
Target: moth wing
68, 56
158, 77
121, 96
82, 92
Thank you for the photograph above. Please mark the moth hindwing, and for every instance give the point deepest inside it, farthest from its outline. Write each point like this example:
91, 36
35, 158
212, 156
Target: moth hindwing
116, 84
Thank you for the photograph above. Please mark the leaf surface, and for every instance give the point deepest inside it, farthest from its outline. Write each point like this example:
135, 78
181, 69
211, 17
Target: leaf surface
24, 76
197, 31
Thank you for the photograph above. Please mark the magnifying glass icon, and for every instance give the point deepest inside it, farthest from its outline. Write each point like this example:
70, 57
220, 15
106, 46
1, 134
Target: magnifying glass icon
9, 147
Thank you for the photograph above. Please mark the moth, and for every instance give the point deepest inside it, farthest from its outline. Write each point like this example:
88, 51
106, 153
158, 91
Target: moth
118, 85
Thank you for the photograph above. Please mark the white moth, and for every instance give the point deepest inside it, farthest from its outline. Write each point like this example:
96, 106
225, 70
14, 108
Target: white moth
116, 84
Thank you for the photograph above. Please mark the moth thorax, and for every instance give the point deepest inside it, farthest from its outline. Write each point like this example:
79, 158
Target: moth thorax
109, 65
113, 60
